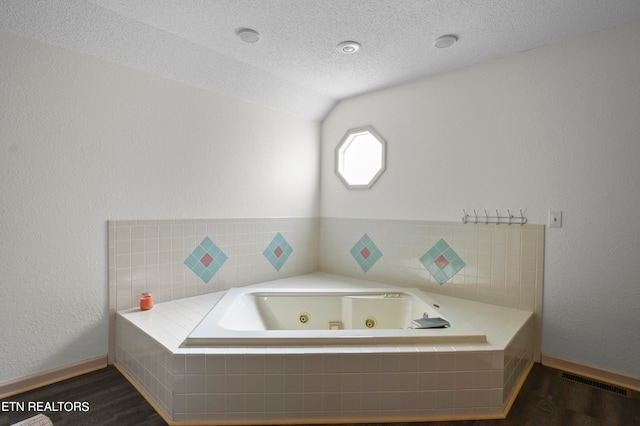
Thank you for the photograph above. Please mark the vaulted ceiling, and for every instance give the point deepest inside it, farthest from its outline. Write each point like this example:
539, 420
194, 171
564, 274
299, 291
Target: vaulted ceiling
295, 66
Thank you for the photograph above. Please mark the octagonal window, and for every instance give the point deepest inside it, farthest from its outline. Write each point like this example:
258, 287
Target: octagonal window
360, 157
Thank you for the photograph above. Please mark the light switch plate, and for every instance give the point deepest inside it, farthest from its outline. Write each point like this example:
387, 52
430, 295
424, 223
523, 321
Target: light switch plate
555, 219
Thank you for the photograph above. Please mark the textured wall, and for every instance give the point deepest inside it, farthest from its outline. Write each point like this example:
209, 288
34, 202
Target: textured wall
83, 141
554, 128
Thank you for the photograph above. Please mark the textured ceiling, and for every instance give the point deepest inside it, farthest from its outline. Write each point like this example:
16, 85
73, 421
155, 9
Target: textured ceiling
295, 66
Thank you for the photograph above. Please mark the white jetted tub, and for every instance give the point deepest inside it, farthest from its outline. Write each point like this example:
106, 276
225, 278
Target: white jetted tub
320, 313
267, 354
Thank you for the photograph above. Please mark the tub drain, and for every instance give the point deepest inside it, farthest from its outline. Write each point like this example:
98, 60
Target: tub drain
370, 322
304, 318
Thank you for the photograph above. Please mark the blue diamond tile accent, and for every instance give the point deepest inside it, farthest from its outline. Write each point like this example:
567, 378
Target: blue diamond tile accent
365, 253
278, 251
442, 262
205, 260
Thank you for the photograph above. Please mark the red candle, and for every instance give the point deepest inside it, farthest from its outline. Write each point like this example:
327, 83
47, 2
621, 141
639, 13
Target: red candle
146, 301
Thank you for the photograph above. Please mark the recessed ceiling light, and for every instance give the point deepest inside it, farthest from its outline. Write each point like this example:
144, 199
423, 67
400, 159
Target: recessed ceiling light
348, 47
248, 35
445, 41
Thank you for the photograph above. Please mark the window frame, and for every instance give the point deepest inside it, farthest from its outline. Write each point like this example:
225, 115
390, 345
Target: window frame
340, 149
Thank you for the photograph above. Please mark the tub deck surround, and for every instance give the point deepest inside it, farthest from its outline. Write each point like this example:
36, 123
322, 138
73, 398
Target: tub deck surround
322, 383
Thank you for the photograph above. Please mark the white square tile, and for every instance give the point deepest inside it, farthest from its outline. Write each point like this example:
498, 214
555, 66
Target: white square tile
445, 399
331, 382
427, 381
370, 363
254, 383
235, 383
274, 364
350, 402
497, 360
312, 382
351, 382
195, 364
293, 402
464, 399
351, 363
446, 361
254, 364
293, 383
312, 364
370, 382
215, 403
332, 363
482, 361
195, 403
407, 381
487, 398
234, 364
464, 380
179, 365
370, 401
483, 379
427, 361
389, 362
274, 403
465, 361
274, 383
331, 403
446, 380
194, 383
255, 403
215, 383
234, 402
293, 364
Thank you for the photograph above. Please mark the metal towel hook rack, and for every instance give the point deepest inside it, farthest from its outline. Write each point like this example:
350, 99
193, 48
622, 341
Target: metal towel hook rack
498, 219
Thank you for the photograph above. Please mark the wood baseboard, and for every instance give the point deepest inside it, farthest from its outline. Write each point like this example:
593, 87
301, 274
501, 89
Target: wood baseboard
593, 372
44, 378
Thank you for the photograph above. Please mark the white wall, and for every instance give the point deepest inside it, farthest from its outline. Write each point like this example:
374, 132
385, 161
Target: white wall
556, 128
83, 141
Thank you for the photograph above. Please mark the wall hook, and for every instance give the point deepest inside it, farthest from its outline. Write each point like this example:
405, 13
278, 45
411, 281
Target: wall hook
497, 219
522, 218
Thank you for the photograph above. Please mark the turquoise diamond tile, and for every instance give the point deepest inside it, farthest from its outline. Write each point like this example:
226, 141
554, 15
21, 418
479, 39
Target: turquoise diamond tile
442, 262
278, 251
365, 253
205, 260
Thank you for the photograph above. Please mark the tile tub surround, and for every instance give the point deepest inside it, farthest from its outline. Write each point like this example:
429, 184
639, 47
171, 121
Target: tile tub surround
504, 264
323, 383
149, 255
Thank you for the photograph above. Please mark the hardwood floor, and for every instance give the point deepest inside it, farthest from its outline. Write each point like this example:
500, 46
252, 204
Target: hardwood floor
112, 401
545, 400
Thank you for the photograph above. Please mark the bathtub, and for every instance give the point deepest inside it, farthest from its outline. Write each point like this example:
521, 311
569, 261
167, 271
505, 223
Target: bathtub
301, 311
219, 358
